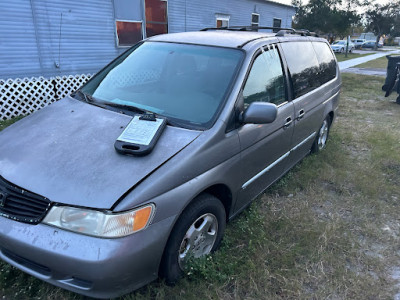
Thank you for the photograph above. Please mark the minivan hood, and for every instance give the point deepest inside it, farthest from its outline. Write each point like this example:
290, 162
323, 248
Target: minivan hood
65, 152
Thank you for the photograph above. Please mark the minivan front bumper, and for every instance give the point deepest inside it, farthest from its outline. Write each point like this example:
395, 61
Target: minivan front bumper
95, 267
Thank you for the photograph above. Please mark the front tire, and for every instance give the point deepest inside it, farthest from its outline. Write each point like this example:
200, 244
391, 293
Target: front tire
197, 232
322, 136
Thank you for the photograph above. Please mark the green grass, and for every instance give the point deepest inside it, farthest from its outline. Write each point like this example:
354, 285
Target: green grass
329, 229
4, 124
342, 56
379, 63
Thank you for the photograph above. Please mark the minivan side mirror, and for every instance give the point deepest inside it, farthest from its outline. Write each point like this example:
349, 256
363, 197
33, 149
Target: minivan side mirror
259, 113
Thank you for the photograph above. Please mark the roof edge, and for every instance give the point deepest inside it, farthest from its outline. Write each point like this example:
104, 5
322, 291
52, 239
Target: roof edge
281, 4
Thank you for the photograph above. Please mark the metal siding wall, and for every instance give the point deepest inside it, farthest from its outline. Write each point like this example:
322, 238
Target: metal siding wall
176, 13
85, 43
18, 48
79, 36
31, 43
200, 14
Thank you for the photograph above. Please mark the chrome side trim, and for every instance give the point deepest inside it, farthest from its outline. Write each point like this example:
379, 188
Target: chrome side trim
303, 142
277, 161
329, 99
282, 104
265, 170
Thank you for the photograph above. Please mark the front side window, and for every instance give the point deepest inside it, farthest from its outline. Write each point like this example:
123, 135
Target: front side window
185, 83
265, 82
303, 66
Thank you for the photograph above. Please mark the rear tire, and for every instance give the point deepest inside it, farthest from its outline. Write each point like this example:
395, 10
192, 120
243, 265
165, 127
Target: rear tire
197, 232
322, 136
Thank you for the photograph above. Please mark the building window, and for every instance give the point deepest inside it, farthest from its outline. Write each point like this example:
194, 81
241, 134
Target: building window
222, 23
277, 23
156, 17
128, 32
255, 19
222, 20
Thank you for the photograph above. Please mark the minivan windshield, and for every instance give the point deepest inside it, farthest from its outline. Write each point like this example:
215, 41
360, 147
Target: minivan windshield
185, 83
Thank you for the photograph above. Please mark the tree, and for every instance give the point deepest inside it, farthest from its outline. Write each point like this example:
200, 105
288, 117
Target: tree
326, 16
383, 19
343, 21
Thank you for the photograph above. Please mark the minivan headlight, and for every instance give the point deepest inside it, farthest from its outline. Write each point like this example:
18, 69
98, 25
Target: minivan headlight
100, 224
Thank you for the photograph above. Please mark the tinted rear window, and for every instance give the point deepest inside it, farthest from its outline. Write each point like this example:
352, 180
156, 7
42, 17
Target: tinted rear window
327, 67
303, 66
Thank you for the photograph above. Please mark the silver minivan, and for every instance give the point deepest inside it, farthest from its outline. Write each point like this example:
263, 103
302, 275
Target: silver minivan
122, 181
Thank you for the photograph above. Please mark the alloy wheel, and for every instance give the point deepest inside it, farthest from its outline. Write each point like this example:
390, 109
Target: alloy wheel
199, 238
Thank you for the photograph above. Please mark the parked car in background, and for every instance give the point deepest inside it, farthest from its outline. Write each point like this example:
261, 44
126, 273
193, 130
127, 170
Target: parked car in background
239, 108
370, 45
340, 46
358, 42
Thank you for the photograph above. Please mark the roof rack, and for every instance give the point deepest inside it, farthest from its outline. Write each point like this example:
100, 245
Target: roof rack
302, 32
281, 31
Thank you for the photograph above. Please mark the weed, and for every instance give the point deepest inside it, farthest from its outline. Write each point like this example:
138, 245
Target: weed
6, 123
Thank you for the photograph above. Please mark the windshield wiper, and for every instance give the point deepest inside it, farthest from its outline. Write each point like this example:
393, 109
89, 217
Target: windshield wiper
145, 113
88, 98
127, 107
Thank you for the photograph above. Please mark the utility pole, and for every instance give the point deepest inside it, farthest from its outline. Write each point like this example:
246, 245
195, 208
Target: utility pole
347, 45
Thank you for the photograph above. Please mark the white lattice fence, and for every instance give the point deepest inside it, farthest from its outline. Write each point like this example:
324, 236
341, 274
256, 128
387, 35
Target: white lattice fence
24, 96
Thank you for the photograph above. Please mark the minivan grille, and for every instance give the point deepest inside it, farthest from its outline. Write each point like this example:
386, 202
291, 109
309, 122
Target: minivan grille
21, 205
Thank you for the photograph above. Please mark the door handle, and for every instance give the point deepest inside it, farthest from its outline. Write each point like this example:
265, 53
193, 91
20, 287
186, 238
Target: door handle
288, 121
301, 115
